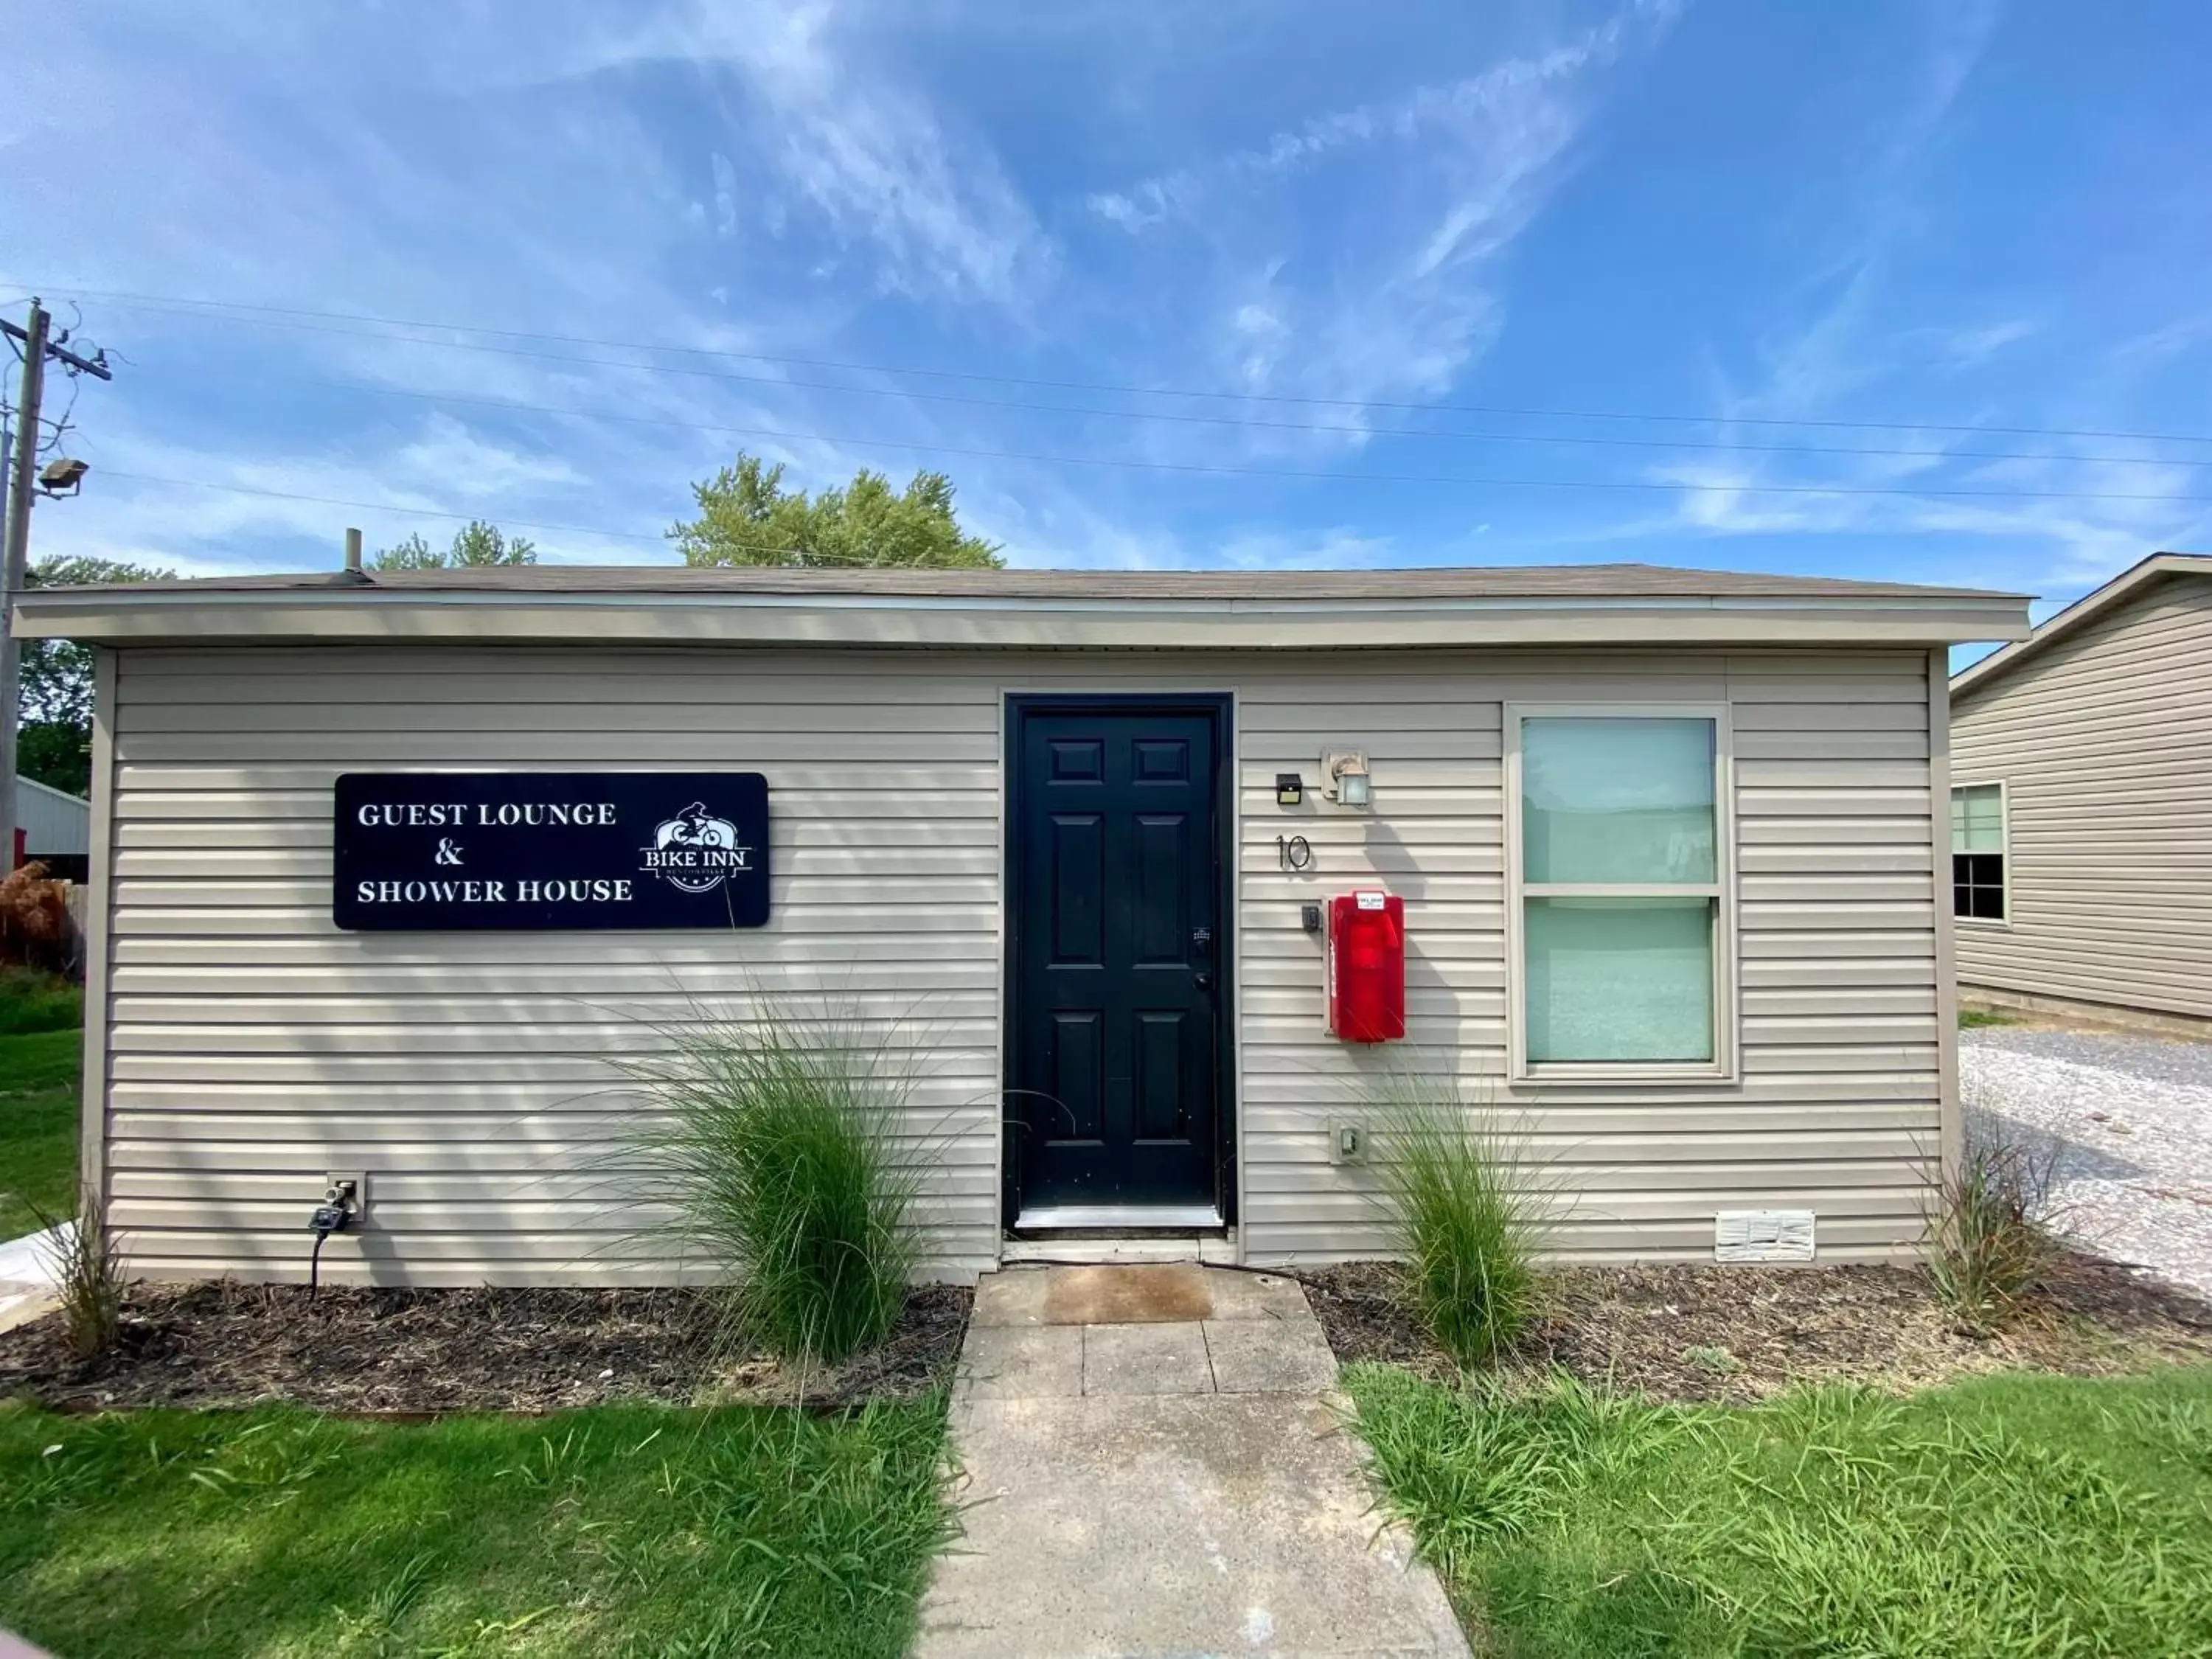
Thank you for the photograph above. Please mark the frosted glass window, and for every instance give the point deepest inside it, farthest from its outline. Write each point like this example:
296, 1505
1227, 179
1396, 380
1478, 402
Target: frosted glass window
1625, 979
1977, 818
1624, 799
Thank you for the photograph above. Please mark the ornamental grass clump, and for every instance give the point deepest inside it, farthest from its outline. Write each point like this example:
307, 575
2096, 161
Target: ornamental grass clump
85, 1258
1461, 1213
772, 1142
1989, 1245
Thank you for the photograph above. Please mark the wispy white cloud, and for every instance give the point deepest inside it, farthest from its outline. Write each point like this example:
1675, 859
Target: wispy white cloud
1972, 347
1339, 548
845, 134
2065, 539
1402, 292
1491, 131
1852, 333
725, 196
276, 506
1833, 340
2178, 339
821, 179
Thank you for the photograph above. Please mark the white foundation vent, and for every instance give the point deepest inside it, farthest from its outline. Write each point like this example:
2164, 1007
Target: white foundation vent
1763, 1235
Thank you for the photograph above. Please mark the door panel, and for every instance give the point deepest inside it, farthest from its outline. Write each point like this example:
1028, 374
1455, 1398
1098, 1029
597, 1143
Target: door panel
1114, 918
1162, 1085
1078, 1078
1077, 878
1161, 928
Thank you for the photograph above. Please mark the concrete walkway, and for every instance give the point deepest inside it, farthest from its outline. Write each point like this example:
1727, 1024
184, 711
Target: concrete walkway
1152, 1466
27, 1276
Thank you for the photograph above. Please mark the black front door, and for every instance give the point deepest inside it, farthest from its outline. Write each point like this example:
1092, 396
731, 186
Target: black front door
1119, 959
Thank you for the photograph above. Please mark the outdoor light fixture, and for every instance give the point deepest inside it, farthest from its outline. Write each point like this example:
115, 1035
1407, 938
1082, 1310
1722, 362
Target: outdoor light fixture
1349, 784
1289, 789
62, 477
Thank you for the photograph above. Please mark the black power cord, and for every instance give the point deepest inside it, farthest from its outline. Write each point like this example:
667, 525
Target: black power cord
332, 1216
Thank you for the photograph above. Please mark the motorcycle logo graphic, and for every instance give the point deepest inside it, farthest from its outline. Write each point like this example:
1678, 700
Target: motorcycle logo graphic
695, 851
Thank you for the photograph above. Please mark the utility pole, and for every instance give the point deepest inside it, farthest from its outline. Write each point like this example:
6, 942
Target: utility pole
21, 482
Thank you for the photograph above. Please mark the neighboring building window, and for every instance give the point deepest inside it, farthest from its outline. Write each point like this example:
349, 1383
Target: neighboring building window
1977, 852
1619, 905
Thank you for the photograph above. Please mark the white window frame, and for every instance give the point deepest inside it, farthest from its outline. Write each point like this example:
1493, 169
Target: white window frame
2004, 851
1722, 892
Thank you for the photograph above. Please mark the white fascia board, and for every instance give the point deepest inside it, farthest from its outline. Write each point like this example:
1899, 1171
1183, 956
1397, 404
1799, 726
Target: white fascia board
861, 620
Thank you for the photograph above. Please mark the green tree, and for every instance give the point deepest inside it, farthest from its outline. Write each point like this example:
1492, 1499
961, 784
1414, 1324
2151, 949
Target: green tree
53, 703
475, 544
746, 517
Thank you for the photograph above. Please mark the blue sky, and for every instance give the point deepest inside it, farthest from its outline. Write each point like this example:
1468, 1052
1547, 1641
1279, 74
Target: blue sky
1443, 253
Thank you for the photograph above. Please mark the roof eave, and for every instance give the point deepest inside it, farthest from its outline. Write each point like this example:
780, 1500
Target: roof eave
117, 617
2083, 611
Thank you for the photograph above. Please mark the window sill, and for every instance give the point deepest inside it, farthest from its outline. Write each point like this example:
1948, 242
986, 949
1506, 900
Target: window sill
1624, 1071
1981, 921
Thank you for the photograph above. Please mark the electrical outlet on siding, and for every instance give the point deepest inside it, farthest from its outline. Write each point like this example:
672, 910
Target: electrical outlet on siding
359, 1178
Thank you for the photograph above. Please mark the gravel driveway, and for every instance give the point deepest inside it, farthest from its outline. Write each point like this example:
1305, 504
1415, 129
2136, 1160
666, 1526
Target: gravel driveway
2131, 1117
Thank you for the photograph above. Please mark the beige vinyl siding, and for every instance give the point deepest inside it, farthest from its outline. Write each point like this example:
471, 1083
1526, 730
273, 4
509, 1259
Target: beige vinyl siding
2103, 740
1835, 1108
253, 1047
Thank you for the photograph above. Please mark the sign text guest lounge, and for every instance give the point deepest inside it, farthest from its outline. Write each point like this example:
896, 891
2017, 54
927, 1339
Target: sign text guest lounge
437, 851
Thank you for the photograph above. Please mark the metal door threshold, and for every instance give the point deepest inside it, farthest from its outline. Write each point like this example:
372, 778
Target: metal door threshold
1119, 1217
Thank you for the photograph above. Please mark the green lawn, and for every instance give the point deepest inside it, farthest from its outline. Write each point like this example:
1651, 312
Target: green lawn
1973, 1019
40, 1053
2013, 1515
619, 1531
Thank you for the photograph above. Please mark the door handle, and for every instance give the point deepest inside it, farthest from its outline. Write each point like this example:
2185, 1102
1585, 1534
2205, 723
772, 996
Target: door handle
1203, 980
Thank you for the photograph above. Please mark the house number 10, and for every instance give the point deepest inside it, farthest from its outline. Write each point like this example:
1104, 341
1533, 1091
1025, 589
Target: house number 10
1293, 852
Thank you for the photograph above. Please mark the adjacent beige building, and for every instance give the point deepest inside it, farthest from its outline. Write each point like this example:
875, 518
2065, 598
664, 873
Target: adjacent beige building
1670, 846
2082, 792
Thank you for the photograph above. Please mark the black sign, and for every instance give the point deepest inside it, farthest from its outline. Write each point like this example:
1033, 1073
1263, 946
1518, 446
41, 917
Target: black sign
437, 851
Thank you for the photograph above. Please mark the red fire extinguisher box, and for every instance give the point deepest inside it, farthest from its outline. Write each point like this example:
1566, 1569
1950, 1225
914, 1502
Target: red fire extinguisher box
1367, 967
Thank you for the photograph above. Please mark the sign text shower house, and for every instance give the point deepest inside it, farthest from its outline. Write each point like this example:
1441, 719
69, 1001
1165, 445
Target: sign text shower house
438, 851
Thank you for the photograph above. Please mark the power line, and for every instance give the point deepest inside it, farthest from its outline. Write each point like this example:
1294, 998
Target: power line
1306, 474
1444, 434
216, 310
1233, 421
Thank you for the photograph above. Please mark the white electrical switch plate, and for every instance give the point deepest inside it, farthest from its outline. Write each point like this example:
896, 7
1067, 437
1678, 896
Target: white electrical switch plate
1347, 1143
1763, 1235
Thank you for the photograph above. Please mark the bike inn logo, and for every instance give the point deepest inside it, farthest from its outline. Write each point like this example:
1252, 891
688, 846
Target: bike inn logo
695, 851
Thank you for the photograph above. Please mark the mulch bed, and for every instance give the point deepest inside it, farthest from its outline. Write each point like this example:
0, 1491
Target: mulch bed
422, 1352
1700, 1332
